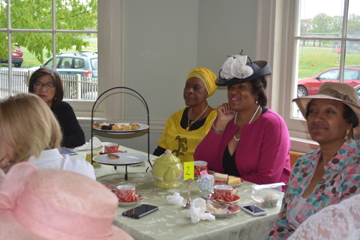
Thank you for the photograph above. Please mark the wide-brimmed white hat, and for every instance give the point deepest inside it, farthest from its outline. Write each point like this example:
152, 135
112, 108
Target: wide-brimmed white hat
333, 91
38, 204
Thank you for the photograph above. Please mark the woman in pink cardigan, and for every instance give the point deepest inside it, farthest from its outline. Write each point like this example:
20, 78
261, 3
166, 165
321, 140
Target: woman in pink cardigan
247, 139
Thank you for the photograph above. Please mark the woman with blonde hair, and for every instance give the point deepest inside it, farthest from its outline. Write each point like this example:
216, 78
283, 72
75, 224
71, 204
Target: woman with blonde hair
30, 132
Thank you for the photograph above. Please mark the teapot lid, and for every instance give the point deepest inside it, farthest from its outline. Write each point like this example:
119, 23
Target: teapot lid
168, 157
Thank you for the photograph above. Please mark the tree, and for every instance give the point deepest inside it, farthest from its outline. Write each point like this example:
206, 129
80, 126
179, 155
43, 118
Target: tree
37, 14
322, 24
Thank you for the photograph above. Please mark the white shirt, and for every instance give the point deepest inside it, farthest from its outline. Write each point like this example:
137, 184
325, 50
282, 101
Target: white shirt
53, 159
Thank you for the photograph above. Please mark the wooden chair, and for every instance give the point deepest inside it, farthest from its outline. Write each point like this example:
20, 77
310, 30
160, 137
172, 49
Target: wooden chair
294, 156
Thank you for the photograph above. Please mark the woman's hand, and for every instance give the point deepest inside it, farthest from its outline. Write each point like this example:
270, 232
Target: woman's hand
5, 163
225, 115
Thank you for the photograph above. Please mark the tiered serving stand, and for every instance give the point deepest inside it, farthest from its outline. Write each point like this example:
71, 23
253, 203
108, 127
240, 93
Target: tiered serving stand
144, 127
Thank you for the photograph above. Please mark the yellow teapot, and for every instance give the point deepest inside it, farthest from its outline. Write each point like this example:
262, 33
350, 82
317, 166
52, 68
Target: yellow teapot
167, 170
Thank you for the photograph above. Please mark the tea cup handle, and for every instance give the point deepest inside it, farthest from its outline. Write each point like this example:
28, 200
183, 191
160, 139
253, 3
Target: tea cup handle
237, 190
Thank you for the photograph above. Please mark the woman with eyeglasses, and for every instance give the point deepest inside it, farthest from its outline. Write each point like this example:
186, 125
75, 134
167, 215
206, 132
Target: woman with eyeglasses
46, 83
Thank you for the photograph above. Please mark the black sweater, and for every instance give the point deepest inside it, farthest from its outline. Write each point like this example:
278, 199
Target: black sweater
73, 135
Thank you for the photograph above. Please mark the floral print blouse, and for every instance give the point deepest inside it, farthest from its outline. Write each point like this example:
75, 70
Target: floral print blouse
340, 181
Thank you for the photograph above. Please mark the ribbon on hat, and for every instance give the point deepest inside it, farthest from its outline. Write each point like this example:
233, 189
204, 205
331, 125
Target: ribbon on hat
336, 94
207, 76
235, 67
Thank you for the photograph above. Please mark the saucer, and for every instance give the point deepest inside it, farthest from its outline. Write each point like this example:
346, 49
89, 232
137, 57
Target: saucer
139, 198
232, 209
235, 199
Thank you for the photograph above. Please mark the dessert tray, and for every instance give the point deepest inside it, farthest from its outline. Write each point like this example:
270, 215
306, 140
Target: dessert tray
124, 159
142, 127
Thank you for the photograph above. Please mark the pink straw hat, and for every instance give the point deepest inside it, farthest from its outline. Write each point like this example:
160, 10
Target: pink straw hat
55, 204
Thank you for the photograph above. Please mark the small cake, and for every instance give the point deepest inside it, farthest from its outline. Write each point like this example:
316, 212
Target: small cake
234, 180
271, 200
113, 156
221, 177
135, 126
105, 127
126, 127
96, 125
117, 127
102, 124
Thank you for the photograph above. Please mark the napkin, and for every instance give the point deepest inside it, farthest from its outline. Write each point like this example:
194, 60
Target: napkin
175, 198
197, 211
87, 146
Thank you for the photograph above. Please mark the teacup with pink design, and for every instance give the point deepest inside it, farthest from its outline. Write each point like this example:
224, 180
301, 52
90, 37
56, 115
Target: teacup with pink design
225, 193
126, 193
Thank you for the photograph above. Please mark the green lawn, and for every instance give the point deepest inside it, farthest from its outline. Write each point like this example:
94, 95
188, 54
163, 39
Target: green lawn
323, 58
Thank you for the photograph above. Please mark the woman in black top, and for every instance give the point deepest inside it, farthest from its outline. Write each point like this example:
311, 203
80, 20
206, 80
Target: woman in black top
46, 83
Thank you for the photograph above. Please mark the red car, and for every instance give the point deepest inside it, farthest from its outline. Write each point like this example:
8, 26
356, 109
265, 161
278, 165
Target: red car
310, 86
17, 56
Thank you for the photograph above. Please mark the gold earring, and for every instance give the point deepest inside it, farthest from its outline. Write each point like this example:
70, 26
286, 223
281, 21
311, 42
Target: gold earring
346, 134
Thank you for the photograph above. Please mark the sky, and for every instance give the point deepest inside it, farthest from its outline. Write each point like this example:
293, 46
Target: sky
310, 8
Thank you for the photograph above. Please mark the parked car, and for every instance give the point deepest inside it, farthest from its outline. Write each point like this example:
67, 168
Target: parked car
310, 86
83, 63
357, 88
17, 56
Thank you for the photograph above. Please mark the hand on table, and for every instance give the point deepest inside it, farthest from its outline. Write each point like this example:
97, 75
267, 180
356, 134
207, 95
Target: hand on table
225, 115
5, 163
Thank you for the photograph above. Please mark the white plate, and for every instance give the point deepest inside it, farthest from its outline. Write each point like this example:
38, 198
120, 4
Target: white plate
125, 159
235, 209
142, 127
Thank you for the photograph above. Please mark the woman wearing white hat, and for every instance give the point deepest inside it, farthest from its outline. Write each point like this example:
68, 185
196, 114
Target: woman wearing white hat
331, 173
247, 138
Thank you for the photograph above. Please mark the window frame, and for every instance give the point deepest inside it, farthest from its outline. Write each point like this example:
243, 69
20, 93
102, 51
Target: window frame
277, 37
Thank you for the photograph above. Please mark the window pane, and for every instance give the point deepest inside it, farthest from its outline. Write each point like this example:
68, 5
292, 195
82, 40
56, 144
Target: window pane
3, 13
76, 15
322, 18
353, 27
30, 15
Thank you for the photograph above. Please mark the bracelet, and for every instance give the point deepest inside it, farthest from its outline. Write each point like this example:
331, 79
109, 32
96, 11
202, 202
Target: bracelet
218, 130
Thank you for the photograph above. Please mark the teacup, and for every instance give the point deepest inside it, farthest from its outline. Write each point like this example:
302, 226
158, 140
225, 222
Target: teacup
126, 193
224, 192
198, 167
206, 183
111, 148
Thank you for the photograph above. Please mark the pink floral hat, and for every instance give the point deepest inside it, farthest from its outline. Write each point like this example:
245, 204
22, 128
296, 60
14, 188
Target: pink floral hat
55, 204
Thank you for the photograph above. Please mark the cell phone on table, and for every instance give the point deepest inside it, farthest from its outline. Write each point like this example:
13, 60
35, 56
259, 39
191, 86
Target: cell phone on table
140, 211
253, 210
64, 150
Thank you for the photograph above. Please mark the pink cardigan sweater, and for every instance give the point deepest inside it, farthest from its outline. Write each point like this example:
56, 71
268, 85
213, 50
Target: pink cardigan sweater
262, 155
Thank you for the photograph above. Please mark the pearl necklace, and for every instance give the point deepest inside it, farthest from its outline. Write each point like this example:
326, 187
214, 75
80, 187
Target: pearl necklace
238, 139
190, 124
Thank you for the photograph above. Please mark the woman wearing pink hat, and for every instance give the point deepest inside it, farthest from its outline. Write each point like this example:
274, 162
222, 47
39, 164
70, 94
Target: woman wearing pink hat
55, 204
30, 132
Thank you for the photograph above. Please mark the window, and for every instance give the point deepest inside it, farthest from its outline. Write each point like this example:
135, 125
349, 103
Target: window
35, 35
312, 41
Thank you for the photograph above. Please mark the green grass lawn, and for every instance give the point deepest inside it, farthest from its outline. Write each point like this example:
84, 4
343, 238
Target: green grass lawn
323, 58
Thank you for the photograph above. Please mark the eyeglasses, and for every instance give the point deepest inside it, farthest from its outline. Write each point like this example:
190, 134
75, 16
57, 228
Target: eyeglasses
48, 85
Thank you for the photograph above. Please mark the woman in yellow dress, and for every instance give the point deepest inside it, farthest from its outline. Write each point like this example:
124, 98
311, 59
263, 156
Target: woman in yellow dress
185, 129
